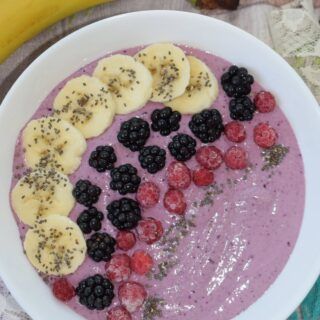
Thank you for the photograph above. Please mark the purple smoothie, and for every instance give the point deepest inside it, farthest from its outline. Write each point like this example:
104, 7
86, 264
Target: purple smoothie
237, 234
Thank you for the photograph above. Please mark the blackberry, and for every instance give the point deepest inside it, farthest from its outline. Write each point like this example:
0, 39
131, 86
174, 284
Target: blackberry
90, 220
134, 133
241, 109
207, 125
125, 179
95, 292
86, 193
100, 246
182, 147
236, 82
165, 120
124, 213
152, 158
103, 158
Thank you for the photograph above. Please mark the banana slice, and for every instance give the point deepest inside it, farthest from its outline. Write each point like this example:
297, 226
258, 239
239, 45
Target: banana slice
169, 68
41, 193
55, 245
86, 103
129, 81
50, 142
201, 91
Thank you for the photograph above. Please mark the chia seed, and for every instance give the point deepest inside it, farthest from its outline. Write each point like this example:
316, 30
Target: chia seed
152, 308
274, 156
211, 192
169, 243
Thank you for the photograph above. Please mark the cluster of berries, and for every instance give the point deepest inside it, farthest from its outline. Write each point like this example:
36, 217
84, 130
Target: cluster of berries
237, 82
97, 291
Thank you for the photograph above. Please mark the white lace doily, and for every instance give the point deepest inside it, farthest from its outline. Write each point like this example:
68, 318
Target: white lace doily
9, 309
295, 32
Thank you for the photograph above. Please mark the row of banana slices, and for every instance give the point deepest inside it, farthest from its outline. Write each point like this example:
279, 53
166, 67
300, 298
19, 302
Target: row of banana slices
122, 84
84, 108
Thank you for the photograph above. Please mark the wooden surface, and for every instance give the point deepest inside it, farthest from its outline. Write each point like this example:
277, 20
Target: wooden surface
250, 17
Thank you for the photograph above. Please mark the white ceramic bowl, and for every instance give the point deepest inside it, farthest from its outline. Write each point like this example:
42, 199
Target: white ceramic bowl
140, 28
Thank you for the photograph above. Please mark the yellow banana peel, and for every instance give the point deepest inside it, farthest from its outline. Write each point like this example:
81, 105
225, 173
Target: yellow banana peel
21, 20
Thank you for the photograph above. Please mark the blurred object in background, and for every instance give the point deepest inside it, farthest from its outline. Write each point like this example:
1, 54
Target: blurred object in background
234, 4
214, 4
21, 20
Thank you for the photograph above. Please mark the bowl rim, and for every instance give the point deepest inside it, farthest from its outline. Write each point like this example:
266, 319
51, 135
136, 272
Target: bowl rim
312, 274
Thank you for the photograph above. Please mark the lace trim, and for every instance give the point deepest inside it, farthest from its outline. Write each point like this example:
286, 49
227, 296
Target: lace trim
296, 36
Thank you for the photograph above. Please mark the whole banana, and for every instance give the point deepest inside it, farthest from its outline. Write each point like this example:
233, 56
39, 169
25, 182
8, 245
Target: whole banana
21, 20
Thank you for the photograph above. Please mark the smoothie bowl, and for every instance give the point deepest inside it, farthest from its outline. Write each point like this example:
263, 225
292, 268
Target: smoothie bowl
165, 176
